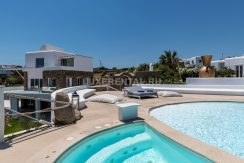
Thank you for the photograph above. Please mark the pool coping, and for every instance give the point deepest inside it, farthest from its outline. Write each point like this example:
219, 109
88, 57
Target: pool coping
86, 138
213, 153
93, 134
47, 145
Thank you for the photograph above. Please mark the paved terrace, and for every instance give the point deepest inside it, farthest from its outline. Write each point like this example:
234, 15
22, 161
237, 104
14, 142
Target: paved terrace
47, 144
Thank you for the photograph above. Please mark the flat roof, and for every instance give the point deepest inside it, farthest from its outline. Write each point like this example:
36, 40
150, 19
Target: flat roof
63, 52
30, 94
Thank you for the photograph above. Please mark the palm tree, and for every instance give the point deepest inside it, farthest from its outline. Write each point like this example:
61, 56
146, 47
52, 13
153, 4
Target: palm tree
143, 67
170, 63
170, 59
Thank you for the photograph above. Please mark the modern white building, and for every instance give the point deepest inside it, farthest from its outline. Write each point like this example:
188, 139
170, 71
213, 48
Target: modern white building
218, 64
193, 62
234, 63
51, 66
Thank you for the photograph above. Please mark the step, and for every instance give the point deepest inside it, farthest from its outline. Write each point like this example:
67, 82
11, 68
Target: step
108, 151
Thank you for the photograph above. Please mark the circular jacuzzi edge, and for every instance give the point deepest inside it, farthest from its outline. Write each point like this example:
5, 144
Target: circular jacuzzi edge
94, 134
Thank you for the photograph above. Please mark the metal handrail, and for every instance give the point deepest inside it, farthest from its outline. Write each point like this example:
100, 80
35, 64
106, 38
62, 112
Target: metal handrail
24, 115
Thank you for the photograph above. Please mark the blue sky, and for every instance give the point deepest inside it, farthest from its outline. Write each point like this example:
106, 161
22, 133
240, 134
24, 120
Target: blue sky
122, 32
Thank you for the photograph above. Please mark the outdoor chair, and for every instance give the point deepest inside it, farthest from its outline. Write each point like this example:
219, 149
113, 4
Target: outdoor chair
139, 92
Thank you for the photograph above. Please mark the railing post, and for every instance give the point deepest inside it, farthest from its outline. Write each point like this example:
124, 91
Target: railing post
2, 116
37, 108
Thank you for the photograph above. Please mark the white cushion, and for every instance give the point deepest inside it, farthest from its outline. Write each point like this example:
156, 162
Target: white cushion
106, 98
72, 89
85, 93
169, 94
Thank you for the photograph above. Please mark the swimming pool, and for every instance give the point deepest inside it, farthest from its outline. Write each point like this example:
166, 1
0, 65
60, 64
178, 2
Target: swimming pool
130, 143
220, 124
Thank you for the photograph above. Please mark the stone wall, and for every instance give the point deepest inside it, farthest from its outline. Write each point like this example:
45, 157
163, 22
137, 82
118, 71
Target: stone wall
145, 76
126, 79
61, 75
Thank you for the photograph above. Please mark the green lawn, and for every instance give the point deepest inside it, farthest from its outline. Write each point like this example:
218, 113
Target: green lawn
19, 124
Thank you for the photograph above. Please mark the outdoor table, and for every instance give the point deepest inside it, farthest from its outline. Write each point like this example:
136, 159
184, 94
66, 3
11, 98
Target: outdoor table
128, 111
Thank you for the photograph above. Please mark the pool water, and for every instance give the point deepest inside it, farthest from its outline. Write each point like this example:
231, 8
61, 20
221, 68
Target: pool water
131, 143
220, 124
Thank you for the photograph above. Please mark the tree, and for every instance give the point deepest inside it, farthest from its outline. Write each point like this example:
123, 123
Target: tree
169, 63
188, 72
17, 76
225, 72
11, 80
131, 69
143, 67
103, 68
170, 59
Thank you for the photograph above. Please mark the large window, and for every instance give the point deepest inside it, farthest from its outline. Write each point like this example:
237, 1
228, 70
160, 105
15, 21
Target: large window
32, 83
67, 62
39, 62
68, 82
64, 62
51, 82
36, 83
87, 81
79, 81
239, 71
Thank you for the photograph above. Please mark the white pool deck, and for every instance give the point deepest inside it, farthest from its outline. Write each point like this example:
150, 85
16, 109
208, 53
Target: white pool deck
45, 145
200, 89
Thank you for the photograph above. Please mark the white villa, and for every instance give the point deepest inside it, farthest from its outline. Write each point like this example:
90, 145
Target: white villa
193, 61
234, 63
51, 66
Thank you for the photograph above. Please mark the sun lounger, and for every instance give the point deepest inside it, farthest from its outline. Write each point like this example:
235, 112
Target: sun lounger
139, 92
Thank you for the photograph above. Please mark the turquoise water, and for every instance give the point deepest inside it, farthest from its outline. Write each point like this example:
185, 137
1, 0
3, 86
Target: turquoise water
220, 124
132, 143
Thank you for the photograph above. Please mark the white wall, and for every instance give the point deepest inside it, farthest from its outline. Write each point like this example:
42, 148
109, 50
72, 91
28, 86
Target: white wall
217, 63
215, 81
194, 61
83, 63
232, 62
1, 115
34, 73
49, 59
52, 59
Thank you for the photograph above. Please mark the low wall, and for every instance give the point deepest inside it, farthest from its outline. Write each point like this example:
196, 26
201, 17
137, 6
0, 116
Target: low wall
214, 86
215, 81
14, 88
192, 86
